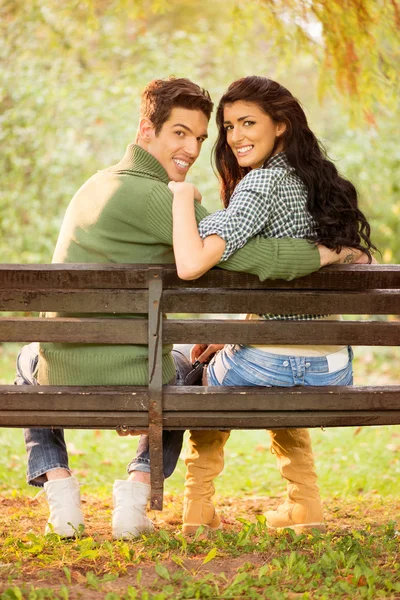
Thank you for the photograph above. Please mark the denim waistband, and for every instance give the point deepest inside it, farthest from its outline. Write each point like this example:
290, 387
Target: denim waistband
335, 361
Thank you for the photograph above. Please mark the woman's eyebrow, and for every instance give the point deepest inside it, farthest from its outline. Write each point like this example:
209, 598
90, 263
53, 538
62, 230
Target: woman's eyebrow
239, 119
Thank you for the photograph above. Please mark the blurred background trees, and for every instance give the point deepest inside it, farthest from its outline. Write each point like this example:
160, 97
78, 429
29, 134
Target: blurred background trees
71, 74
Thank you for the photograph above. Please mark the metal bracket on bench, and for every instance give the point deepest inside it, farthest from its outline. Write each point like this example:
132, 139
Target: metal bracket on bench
155, 389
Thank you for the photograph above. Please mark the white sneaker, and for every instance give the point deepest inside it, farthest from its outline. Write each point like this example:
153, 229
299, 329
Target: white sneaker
129, 515
64, 498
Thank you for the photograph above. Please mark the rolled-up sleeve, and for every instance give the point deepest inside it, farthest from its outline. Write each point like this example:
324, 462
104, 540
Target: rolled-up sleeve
249, 211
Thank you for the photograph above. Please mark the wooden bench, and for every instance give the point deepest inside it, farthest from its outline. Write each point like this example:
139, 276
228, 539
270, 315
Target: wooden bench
151, 290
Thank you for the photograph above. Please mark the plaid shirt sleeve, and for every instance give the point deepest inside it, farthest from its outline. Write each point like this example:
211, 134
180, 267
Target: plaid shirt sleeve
249, 210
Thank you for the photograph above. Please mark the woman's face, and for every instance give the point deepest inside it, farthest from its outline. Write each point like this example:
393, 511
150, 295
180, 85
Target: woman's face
251, 133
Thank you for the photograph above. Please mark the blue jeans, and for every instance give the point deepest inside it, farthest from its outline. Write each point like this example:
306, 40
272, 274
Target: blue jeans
246, 366
46, 448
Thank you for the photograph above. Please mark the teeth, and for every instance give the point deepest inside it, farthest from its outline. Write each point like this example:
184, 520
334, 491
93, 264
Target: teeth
244, 149
181, 163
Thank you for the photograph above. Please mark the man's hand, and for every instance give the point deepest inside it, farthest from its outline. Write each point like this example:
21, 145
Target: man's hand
203, 352
123, 431
183, 188
346, 256
364, 260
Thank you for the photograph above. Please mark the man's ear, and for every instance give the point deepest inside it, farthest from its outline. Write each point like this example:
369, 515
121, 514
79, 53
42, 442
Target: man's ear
146, 130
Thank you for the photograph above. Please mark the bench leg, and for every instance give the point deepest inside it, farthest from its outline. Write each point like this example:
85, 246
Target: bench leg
156, 466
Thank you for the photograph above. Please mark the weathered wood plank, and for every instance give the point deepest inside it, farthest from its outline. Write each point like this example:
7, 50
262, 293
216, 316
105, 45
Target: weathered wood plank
122, 276
73, 276
85, 330
203, 301
201, 399
335, 277
210, 420
155, 402
73, 419
283, 302
134, 331
361, 333
74, 301
272, 420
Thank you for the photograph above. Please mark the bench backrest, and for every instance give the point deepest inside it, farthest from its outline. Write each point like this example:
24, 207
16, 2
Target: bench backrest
152, 290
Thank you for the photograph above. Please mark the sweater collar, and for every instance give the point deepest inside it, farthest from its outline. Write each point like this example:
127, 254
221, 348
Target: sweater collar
140, 162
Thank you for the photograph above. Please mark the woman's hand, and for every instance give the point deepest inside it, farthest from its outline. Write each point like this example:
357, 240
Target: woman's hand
182, 188
204, 352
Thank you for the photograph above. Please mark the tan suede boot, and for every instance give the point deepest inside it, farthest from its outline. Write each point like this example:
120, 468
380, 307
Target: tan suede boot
302, 510
204, 462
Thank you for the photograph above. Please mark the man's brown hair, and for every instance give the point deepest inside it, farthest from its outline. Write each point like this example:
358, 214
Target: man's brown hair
162, 95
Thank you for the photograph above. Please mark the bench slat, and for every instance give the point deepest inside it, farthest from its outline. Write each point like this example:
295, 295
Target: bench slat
360, 333
72, 301
200, 399
123, 276
283, 302
189, 420
129, 331
207, 301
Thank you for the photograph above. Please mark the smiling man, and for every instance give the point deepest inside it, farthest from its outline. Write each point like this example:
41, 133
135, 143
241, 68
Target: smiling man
123, 214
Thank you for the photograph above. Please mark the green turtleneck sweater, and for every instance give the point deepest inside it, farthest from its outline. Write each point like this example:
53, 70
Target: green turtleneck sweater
124, 215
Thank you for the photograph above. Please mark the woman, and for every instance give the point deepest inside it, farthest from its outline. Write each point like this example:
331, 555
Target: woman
276, 181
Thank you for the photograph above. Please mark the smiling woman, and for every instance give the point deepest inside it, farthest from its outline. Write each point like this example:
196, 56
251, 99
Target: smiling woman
275, 182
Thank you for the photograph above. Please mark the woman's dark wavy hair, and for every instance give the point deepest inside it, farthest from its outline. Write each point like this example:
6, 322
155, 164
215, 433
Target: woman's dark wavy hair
332, 199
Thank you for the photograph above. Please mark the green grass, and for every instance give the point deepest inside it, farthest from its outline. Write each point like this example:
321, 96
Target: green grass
359, 474
245, 563
349, 462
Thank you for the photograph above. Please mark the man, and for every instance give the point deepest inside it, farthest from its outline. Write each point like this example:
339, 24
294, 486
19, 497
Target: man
123, 215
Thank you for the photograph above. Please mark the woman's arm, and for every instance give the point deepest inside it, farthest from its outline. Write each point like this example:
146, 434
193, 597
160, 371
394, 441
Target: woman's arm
193, 256
273, 258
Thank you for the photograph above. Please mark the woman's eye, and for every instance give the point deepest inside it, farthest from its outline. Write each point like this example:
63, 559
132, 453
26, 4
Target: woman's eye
228, 127
248, 123
179, 133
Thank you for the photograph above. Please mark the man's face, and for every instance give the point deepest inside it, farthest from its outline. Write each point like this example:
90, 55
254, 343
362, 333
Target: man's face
178, 143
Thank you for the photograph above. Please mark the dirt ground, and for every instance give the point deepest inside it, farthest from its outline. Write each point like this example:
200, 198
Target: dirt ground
19, 516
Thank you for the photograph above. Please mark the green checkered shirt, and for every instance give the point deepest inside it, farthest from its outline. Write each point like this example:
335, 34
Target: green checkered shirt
270, 202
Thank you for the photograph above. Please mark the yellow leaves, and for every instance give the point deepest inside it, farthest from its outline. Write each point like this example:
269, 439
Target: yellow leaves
396, 209
356, 47
369, 117
387, 255
210, 556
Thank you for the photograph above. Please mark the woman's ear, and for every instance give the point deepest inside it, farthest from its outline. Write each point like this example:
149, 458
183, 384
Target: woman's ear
280, 128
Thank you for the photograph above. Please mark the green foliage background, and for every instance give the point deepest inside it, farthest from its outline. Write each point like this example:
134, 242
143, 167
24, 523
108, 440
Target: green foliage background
71, 74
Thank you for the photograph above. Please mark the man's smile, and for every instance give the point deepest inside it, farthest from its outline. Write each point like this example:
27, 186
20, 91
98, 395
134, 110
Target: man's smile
183, 165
